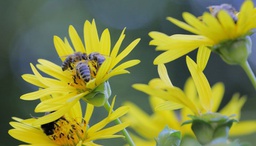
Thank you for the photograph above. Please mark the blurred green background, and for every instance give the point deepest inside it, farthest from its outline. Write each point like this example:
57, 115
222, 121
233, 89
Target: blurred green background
27, 28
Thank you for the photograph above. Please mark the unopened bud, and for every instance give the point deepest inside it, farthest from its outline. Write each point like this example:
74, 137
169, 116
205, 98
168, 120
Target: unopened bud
168, 137
234, 51
99, 95
210, 127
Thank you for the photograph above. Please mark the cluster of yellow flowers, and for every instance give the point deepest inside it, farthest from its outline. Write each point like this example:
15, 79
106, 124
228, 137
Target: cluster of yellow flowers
88, 65
83, 75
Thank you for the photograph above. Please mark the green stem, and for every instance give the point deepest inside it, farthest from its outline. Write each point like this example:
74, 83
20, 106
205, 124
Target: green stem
249, 73
118, 121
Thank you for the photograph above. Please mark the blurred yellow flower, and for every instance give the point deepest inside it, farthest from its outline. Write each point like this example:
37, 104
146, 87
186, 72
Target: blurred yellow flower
71, 129
222, 28
68, 82
197, 98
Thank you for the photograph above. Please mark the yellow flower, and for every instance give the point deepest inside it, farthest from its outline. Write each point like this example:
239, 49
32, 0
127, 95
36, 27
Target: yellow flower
222, 31
71, 129
68, 82
197, 98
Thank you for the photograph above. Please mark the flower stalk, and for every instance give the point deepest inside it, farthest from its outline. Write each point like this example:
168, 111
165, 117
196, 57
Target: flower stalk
118, 121
249, 73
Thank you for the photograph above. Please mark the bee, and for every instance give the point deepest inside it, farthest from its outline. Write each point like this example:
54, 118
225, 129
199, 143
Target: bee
214, 10
83, 70
71, 59
95, 56
49, 128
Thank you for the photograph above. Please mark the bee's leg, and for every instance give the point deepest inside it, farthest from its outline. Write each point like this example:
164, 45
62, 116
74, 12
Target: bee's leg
74, 79
78, 76
70, 66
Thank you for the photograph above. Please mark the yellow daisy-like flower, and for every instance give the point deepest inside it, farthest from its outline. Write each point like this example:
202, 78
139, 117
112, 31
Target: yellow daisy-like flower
159, 119
85, 71
223, 30
72, 129
197, 98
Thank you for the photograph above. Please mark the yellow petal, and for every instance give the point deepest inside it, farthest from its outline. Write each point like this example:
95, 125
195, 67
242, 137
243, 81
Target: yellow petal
53, 70
150, 91
117, 45
88, 113
111, 116
142, 141
158, 84
158, 38
104, 69
61, 48
190, 90
195, 22
76, 111
137, 116
57, 114
203, 56
217, 95
53, 103
119, 112
125, 52
178, 96
214, 29
183, 25
191, 93
110, 111
69, 47
96, 127
173, 94
41, 93
108, 132
43, 80
91, 37
24, 126
127, 64
114, 73
171, 55
179, 41
100, 136
163, 74
179, 45
24, 132
75, 39
94, 37
227, 23
234, 106
167, 105
202, 85
243, 128
168, 116
244, 16
33, 80
90, 143
105, 43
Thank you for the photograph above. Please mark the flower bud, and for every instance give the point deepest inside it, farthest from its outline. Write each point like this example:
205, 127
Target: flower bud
210, 127
99, 95
234, 51
168, 137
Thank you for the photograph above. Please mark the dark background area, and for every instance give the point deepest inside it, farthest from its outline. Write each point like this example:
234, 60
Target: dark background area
27, 28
